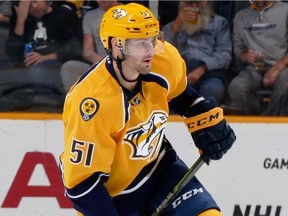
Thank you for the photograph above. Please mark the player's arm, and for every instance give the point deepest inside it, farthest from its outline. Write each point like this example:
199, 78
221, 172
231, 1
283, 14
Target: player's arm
210, 131
87, 156
84, 174
91, 198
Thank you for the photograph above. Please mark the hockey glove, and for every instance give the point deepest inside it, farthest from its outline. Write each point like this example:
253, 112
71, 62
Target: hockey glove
210, 131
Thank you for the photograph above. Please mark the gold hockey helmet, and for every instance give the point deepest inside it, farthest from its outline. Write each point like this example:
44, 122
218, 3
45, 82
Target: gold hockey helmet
130, 21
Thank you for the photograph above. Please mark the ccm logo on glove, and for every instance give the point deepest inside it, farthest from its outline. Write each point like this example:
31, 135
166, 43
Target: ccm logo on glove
204, 120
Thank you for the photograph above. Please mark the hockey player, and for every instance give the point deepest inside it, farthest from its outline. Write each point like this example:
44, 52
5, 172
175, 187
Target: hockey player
116, 159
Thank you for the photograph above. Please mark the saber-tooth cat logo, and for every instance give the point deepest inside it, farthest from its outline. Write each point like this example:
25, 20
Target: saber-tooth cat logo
145, 139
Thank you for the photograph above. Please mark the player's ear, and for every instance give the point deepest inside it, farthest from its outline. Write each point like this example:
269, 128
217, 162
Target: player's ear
114, 46
113, 42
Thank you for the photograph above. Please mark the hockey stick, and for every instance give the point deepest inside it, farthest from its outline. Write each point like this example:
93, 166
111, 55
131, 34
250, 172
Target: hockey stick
182, 183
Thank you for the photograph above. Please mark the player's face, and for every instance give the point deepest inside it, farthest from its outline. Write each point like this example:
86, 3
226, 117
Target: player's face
139, 47
139, 54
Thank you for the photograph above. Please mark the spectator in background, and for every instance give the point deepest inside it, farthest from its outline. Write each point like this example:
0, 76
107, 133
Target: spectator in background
93, 49
5, 11
204, 41
50, 35
260, 40
75, 5
5, 14
80, 7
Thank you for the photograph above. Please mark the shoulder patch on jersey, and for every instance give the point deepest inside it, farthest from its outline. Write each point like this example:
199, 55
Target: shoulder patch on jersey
88, 108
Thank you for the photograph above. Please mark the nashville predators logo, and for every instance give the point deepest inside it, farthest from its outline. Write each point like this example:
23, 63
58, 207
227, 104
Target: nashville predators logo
119, 13
145, 139
88, 108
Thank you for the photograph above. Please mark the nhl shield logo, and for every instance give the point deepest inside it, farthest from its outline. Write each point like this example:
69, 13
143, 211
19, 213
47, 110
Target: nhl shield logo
88, 108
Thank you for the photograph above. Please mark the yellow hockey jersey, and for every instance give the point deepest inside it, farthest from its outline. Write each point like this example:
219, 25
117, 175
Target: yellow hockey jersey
113, 135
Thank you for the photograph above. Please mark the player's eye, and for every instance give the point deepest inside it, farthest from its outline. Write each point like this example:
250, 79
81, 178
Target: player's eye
141, 44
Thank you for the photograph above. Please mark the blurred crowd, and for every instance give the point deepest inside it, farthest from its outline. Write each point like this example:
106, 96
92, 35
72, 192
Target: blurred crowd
235, 51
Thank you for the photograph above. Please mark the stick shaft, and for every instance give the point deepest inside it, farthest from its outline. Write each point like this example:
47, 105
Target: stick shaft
182, 183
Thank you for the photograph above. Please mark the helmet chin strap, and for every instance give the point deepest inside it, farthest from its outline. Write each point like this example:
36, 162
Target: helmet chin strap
119, 65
